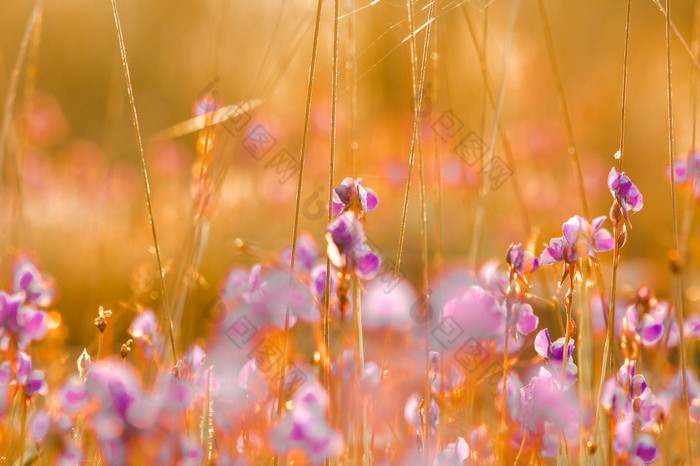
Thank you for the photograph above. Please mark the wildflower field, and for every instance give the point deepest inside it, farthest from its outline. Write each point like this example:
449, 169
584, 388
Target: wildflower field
391, 232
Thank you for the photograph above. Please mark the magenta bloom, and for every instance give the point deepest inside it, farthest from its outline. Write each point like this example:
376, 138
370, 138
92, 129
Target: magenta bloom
580, 239
32, 380
351, 194
306, 254
39, 291
305, 426
620, 401
523, 262
453, 454
553, 353
477, 313
546, 410
347, 248
19, 322
687, 172
625, 191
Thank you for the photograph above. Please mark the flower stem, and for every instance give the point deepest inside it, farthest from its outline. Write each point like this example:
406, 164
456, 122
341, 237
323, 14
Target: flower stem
607, 350
360, 368
23, 424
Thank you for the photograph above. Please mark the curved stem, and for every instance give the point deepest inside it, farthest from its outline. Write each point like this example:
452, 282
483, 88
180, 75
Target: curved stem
146, 182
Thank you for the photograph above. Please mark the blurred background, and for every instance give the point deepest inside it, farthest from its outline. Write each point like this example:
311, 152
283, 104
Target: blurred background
72, 192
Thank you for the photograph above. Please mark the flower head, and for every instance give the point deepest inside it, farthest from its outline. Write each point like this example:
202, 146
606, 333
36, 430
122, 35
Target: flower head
624, 191
351, 195
580, 239
347, 248
18, 322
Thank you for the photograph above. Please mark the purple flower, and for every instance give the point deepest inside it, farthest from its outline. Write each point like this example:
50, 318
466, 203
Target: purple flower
650, 327
453, 454
351, 195
306, 254
687, 171
386, 306
625, 191
522, 262
73, 395
40, 425
252, 381
27, 279
347, 248
412, 413
305, 426
144, 326
5, 379
580, 239
554, 354
270, 295
627, 405
546, 409
32, 380
21, 323
477, 312
318, 282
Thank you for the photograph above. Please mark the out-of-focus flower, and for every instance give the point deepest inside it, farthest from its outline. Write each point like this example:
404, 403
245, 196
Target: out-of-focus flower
144, 325
73, 395
477, 312
522, 262
253, 381
318, 282
305, 256
32, 380
351, 195
70, 456
624, 191
384, 307
347, 248
19, 323
40, 425
687, 172
39, 290
305, 426
628, 399
453, 454
546, 410
413, 413
580, 239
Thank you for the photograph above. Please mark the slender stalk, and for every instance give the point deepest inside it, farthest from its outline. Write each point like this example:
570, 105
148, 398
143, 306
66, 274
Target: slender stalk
693, 57
424, 218
331, 170
586, 362
505, 140
624, 85
610, 339
23, 427
144, 171
361, 365
502, 441
418, 102
351, 76
680, 316
14, 77
434, 55
305, 137
483, 190
571, 143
